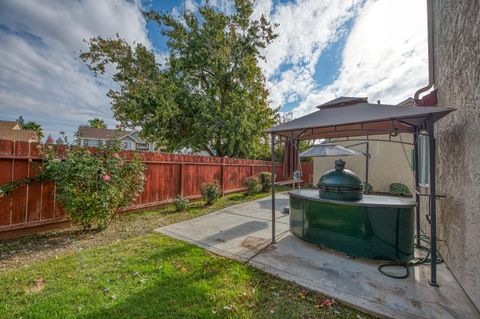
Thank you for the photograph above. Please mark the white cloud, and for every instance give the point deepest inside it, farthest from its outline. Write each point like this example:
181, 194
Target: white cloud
306, 27
40, 76
385, 56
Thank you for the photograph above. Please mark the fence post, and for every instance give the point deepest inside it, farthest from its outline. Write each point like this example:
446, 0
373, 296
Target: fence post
223, 175
181, 178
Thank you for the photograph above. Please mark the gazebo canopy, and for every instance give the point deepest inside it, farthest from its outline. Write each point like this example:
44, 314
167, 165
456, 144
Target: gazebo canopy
329, 150
350, 117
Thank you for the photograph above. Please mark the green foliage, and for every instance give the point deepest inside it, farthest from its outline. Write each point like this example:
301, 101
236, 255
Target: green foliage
181, 203
21, 121
209, 95
30, 125
253, 185
400, 189
369, 188
7, 189
97, 123
210, 192
265, 181
94, 186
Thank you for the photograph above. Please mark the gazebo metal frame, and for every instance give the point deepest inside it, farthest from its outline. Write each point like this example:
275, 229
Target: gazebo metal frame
355, 117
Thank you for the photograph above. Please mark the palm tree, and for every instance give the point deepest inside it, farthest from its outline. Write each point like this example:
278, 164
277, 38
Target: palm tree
97, 123
34, 126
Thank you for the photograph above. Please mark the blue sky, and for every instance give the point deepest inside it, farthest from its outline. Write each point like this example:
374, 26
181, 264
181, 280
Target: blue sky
325, 49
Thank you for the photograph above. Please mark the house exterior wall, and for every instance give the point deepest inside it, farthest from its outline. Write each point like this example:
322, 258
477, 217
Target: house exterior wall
457, 78
128, 143
388, 163
93, 142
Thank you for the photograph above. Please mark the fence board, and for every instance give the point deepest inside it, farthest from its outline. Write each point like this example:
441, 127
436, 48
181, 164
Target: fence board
167, 175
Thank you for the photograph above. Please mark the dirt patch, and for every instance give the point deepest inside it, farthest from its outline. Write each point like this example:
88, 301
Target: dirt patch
254, 243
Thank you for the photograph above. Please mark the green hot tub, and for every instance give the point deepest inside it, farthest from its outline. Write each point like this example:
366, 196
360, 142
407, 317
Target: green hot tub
375, 227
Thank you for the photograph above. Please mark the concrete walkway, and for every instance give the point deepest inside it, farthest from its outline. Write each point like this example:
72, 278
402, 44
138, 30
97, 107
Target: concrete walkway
243, 232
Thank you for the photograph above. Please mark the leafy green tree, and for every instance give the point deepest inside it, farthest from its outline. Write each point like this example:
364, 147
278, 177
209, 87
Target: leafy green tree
97, 123
34, 126
210, 94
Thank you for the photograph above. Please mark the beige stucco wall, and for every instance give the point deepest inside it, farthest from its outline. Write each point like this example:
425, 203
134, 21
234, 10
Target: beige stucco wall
388, 162
457, 78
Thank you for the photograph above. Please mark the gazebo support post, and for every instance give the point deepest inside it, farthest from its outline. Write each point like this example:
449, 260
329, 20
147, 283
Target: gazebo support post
416, 136
433, 207
296, 161
367, 147
273, 187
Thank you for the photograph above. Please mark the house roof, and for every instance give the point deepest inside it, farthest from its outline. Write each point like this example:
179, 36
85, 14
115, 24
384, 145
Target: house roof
342, 101
8, 124
18, 135
357, 119
107, 134
101, 133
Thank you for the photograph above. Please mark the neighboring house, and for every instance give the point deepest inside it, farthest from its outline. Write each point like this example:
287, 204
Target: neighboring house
389, 162
454, 32
91, 136
10, 130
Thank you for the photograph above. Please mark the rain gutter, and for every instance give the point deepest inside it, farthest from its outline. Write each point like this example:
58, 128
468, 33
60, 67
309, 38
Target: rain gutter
431, 73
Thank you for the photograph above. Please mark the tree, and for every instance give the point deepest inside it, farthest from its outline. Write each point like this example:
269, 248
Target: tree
210, 94
21, 121
34, 126
30, 125
97, 123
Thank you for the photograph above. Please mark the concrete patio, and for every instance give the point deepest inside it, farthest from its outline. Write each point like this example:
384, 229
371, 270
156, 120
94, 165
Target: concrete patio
243, 232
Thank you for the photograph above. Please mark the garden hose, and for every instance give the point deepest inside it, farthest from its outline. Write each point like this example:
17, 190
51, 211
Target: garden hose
414, 262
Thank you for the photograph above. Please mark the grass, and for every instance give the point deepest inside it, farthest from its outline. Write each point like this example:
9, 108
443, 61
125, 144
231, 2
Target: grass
129, 272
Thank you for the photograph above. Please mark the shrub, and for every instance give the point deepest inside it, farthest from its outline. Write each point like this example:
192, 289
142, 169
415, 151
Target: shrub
253, 185
400, 189
266, 181
181, 203
210, 192
94, 186
369, 188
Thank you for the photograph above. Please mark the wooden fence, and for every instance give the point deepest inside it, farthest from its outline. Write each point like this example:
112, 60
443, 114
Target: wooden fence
33, 207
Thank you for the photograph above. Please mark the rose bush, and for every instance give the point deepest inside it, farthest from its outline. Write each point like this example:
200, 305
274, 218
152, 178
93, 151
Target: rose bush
94, 185
210, 192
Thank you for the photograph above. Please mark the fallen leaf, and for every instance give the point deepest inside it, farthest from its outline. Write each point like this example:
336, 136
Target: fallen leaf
325, 303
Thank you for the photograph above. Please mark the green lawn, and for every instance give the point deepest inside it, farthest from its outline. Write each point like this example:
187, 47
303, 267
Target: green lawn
140, 274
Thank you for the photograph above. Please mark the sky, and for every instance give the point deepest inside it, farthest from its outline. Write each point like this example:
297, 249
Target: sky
325, 49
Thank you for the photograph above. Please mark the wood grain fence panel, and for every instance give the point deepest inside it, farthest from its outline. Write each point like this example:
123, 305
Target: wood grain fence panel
19, 195
34, 205
6, 169
166, 176
236, 176
47, 201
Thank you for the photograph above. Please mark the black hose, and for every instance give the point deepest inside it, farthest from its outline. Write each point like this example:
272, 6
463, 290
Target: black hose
414, 262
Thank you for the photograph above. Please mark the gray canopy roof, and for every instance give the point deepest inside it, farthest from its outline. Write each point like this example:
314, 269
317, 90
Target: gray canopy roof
347, 116
329, 150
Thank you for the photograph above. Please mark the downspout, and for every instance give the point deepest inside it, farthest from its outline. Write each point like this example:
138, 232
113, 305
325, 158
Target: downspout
431, 74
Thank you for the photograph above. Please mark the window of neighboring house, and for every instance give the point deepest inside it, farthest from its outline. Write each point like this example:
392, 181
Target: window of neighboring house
93, 143
127, 145
142, 146
423, 161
